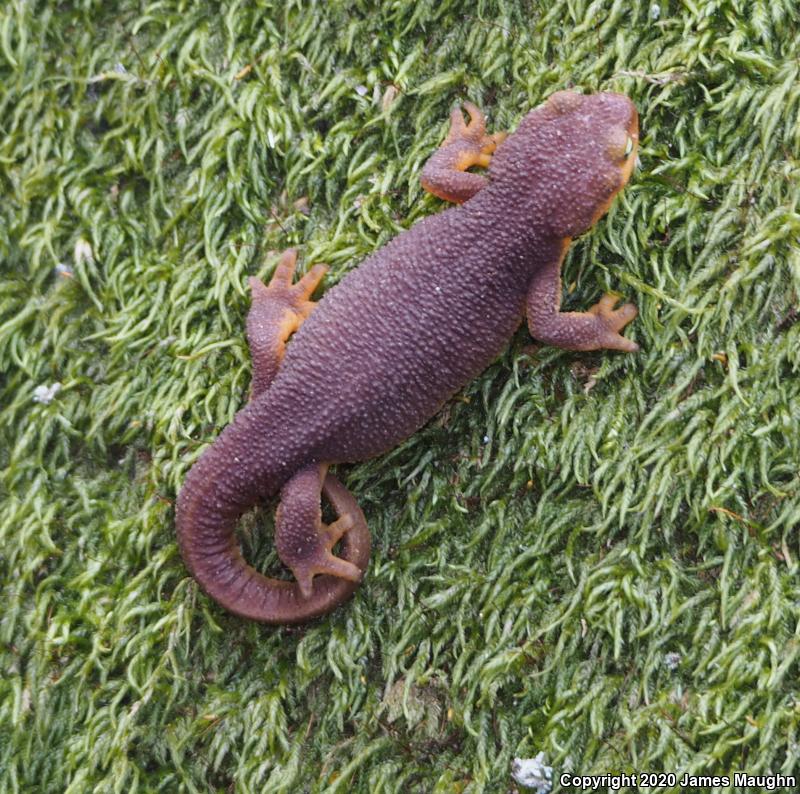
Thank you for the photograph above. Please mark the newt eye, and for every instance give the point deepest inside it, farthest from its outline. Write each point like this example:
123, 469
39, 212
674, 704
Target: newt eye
628, 146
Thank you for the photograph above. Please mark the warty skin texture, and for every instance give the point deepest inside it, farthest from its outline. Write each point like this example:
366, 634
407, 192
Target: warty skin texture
399, 335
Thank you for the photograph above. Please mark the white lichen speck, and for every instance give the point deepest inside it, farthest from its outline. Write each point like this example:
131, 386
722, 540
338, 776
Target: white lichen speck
672, 660
44, 394
533, 773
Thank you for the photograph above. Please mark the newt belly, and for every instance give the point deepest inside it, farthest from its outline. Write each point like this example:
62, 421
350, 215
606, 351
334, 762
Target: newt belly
398, 336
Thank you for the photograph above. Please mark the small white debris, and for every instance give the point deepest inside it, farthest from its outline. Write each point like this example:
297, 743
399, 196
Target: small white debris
533, 773
389, 95
83, 252
672, 660
655, 11
362, 90
486, 439
181, 118
44, 394
63, 270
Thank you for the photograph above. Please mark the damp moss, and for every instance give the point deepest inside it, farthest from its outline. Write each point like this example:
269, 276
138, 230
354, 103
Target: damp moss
594, 556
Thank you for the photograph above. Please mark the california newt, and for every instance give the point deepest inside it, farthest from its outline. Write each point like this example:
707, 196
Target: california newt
397, 337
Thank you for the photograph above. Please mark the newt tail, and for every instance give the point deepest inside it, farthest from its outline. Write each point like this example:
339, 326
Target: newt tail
209, 506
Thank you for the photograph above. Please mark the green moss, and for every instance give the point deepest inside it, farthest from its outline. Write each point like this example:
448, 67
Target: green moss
590, 555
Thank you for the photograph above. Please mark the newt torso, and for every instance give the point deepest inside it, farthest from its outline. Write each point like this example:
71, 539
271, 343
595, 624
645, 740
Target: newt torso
399, 335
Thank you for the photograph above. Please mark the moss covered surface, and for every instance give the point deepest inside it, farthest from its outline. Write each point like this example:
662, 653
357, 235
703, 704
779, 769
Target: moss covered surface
590, 555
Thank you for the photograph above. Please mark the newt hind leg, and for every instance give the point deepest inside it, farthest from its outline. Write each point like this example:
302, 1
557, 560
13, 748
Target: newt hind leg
445, 174
305, 544
277, 310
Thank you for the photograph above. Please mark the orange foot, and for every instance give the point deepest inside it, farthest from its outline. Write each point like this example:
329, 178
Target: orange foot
614, 321
445, 174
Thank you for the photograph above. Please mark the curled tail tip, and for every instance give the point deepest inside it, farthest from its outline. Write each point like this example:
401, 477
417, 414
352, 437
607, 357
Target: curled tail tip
205, 528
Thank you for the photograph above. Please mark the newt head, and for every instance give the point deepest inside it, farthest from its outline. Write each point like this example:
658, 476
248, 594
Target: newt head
570, 157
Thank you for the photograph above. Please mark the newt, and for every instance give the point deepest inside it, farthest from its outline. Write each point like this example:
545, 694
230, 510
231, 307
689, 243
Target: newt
387, 346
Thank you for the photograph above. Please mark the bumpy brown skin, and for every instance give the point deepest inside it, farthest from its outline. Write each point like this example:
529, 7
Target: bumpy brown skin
396, 338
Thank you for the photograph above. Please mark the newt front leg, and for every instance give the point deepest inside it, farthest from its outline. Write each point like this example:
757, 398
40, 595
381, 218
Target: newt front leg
594, 329
445, 174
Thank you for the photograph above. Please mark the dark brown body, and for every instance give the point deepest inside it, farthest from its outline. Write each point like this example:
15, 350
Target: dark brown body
402, 333
396, 338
